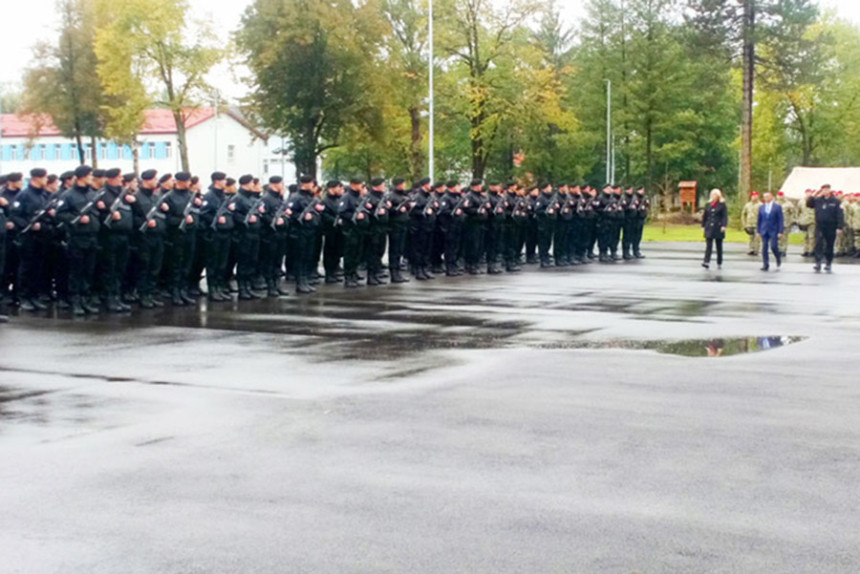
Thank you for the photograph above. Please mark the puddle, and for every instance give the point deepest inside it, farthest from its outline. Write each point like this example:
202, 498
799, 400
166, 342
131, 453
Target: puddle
722, 347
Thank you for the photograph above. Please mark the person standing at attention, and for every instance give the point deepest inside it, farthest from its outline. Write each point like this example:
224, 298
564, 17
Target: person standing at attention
714, 222
771, 226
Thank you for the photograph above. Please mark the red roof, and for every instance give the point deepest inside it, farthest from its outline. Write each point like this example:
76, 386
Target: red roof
156, 122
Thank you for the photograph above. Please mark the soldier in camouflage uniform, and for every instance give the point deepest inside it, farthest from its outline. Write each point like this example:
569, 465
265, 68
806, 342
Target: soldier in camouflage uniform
852, 224
749, 222
789, 212
806, 223
843, 235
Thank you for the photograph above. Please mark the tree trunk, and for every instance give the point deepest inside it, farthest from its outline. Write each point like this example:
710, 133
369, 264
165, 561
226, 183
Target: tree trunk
417, 156
182, 140
79, 142
94, 145
135, 154
748, 85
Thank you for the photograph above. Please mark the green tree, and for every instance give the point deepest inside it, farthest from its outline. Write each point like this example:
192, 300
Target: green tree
313, 65
63, 83
142, 39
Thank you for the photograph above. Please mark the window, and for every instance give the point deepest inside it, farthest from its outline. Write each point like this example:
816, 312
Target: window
231, 153
168, 149
14, 154
58, 151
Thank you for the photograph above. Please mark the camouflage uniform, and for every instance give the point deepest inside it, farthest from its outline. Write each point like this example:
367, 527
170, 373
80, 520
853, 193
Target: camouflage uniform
854, 223
806, 223
789, 212
749, 221
844, 235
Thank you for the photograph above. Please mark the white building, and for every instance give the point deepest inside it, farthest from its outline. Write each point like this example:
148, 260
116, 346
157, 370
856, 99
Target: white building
225, 143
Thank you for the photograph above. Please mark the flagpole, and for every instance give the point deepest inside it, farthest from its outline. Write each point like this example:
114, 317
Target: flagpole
431, 152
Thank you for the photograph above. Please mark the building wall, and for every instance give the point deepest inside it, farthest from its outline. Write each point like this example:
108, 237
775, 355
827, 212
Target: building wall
157, 151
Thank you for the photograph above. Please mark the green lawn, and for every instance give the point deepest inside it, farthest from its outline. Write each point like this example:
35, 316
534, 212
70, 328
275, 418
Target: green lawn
694, 234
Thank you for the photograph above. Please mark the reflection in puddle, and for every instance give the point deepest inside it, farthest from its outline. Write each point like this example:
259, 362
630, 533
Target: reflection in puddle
697, 347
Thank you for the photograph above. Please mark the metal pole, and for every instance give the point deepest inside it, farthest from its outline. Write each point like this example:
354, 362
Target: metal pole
431, 152
608, 131
215, 128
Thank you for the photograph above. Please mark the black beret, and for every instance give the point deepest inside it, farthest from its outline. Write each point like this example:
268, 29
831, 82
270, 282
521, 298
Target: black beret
98, 173
38, 172
149, 174
246, 179
476, 182
306, 179
452, 183
230, 182
377, 181
332, 184
397, 181
218, 176
276, 179
67, 175
165, 177
423, 182
129, 177
15, 176
494, 183
438, 185
182, 176
83, 171
356, 181
112, 173
52, 178
194, 180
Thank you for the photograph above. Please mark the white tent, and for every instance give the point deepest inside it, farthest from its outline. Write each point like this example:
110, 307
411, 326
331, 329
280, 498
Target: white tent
845, 179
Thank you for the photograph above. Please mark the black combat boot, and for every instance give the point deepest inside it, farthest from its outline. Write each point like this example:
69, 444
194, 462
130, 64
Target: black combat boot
426, 274
244, 291
90, 307
271, 289
397, 276
351, 282
146, 302
77, 307
331, 279
176, 298
113, 305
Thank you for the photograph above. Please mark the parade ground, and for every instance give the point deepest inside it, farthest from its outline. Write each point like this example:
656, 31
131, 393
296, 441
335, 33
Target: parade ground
563, 420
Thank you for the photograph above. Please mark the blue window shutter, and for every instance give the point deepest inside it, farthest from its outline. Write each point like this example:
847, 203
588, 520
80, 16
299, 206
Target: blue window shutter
126, 152
160, 150
112, 151
68, 151
49, 152
7, 153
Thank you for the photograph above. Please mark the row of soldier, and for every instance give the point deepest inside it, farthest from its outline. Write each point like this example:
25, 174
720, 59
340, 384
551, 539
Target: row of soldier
93, 238
800, 214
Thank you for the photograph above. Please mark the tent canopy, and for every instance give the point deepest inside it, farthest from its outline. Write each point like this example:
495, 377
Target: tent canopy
845, 179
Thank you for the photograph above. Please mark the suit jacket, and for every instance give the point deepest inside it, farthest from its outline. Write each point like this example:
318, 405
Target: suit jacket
773, 223
714, 220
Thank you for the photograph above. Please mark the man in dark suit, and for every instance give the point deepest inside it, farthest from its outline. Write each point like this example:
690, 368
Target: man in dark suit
771, 226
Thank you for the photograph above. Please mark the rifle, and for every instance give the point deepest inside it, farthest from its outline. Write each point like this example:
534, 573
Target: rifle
89, 206
222, 209
280, 213
116, 203
187, 211
254, 211
52, 203
153, 211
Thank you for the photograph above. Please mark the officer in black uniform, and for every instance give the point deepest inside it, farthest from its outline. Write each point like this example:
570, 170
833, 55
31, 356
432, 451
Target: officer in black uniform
561, 237
117, 225
353, 220
574, 232
494, 237
617, 222
475, 213
605, 217
4, 218
246, 216
206, 237
272, 236
545, 212
179, 247
303, 210
398, 221
223, 255
374, 244
422, 220
9, 281
150, 227
630, 205
332, 236
829, 218
531, 228
77, 211
32, 239
512, 227
437, 237
449, 222
642, 207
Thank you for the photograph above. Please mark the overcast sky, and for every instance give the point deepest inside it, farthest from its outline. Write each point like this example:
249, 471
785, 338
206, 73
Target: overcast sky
21, 31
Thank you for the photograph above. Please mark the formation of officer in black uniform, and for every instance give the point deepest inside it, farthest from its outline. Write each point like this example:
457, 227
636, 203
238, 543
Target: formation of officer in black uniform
93, 240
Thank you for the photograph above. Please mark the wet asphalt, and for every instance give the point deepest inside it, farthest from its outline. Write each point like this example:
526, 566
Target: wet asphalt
563, 421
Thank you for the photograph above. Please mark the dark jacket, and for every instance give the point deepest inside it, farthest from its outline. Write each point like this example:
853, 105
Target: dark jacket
714, 220
828, 212
772, 223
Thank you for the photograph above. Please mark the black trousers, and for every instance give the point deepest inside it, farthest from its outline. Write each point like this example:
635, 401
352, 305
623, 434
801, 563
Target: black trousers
419, 254
531, 238
638, 228
396, 244
825, 239
494, 239
452, 233
545, 230
709, 248
31, 259
560, 240
150, 253
82, 265
115, 261
270, 252
249, 250
332, 249
218, 248
180, 253
629, 231
374, 247
353, 245
471, 242
10, 274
